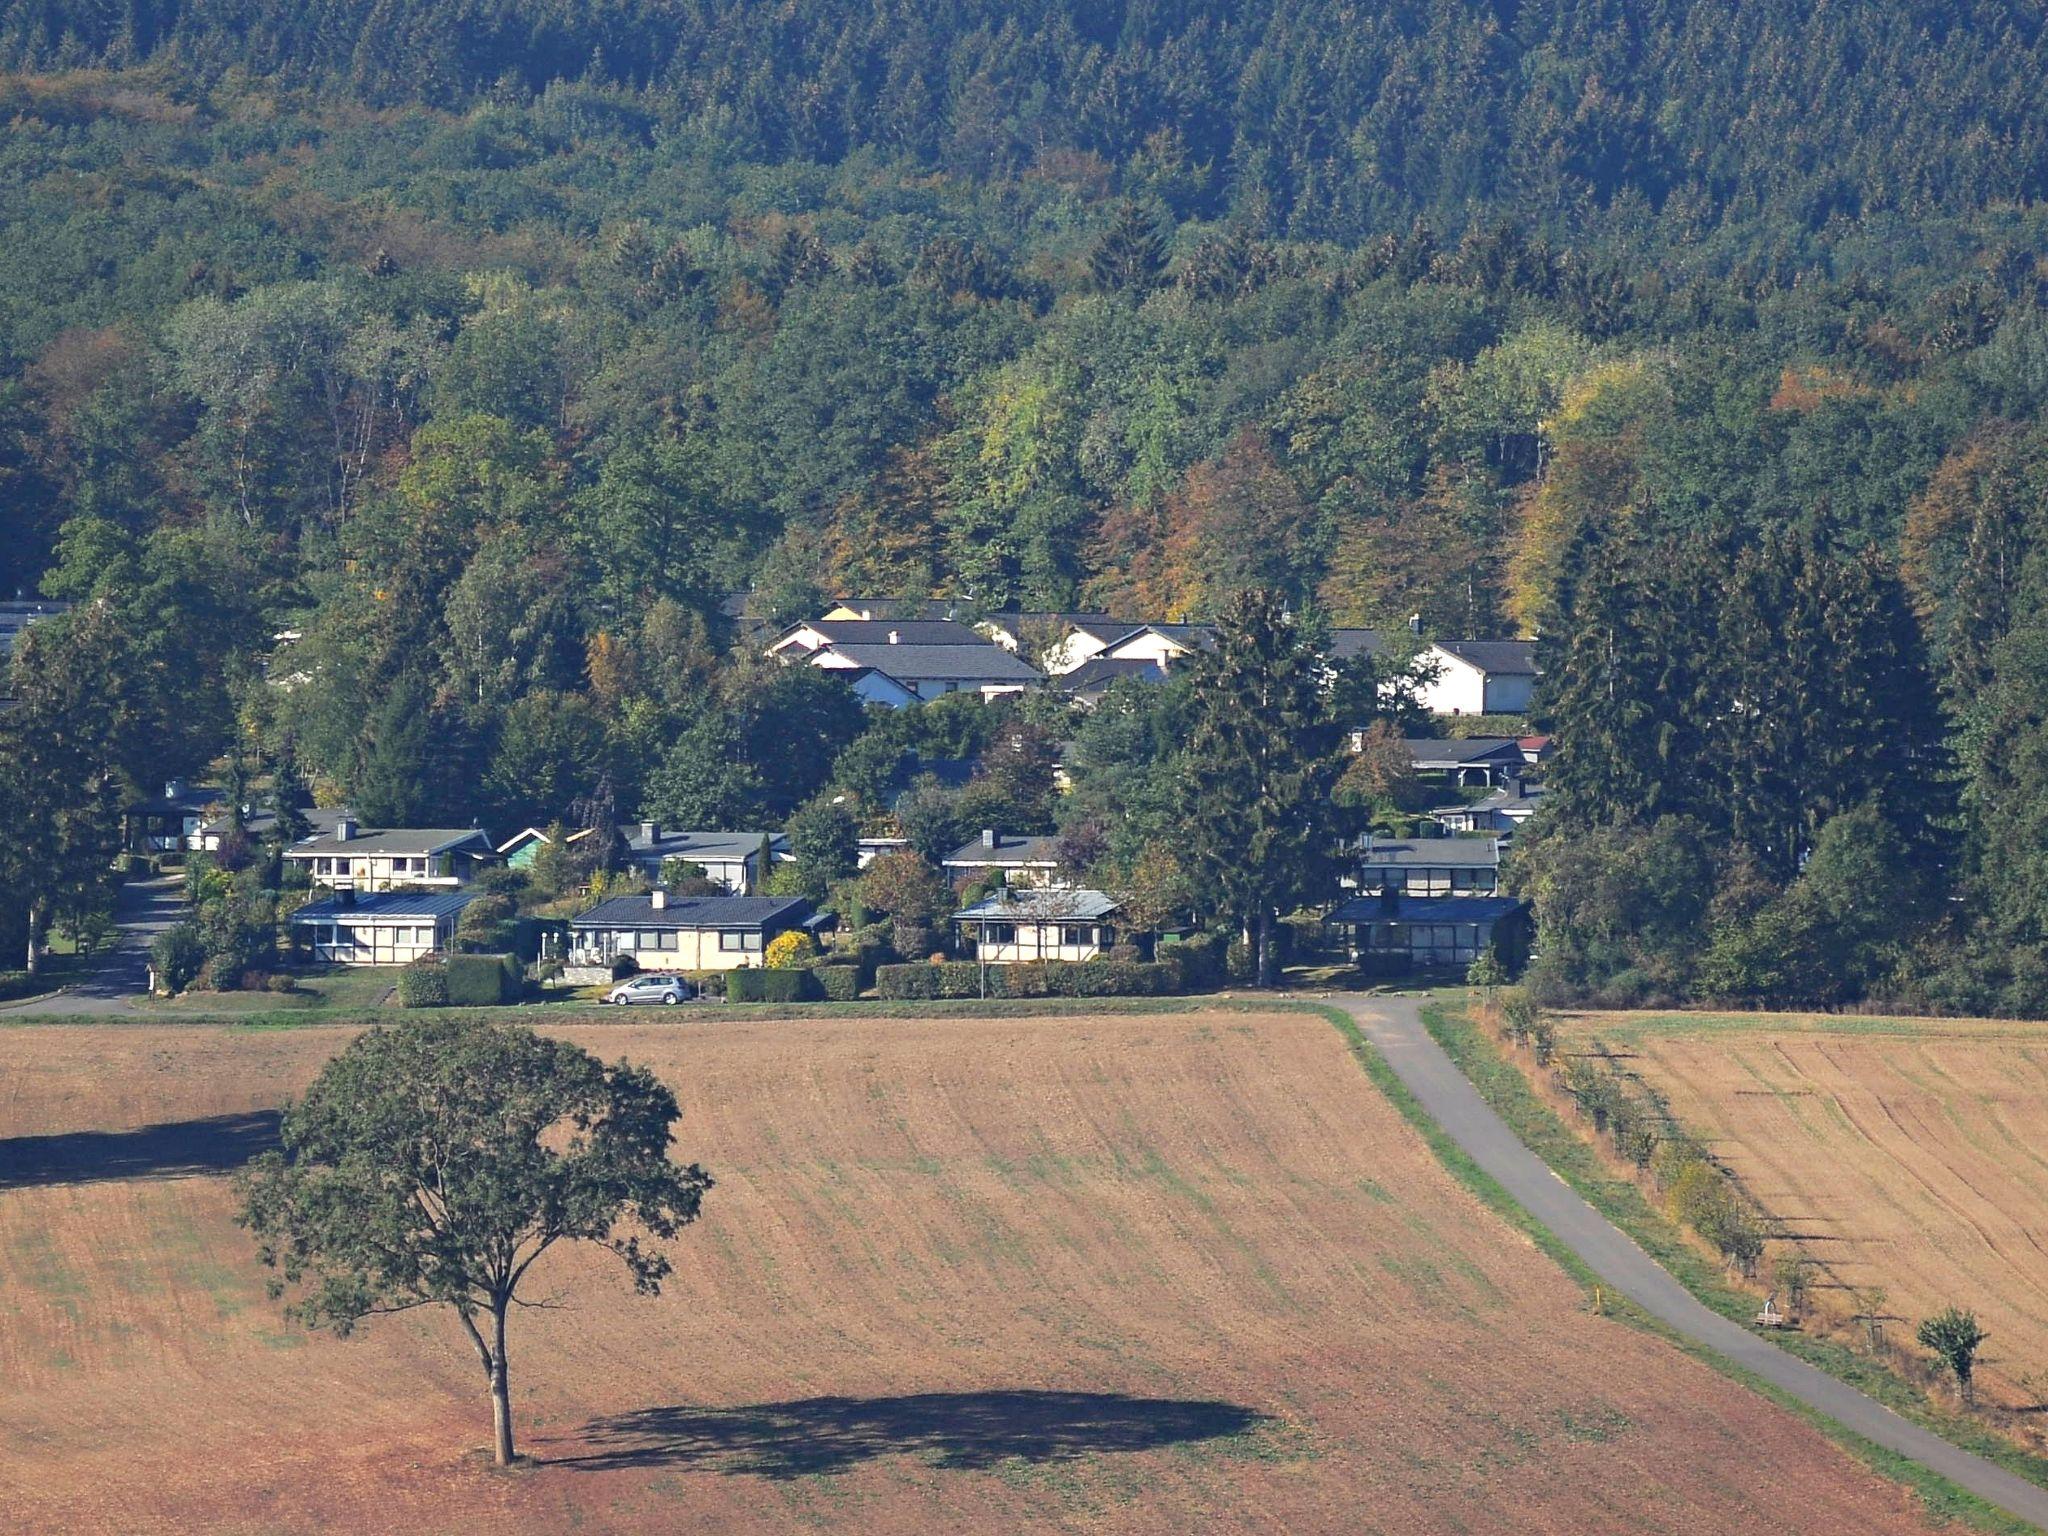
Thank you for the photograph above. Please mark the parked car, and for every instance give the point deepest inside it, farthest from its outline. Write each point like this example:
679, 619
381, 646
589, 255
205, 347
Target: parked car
650, 989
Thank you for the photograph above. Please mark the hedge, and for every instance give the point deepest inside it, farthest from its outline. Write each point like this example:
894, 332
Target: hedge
483, 981
839, 983
1034, 978
423, 984
757, 985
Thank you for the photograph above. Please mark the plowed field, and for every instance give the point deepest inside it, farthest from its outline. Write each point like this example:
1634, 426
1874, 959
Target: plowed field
1140, 1273
1907, 1154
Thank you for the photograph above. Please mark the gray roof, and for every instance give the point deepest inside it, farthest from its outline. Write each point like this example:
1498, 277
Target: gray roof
386, 904
1472, 852
907, 632
692, 912
17, 615
1098, 626
1510, 796
1503, 658
982, 662
1011, 848
1426, 909
1076, 905
1098, 672
675, 843
1430, 752
189, 800
901, 607
1347, 643
1196, 637
393, 840
261, 818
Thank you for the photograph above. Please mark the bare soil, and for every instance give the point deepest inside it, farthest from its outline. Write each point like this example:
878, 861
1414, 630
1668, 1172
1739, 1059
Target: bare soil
1139, 1273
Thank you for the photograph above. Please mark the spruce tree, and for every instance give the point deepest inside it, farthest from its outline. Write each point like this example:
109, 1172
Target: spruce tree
1131, 255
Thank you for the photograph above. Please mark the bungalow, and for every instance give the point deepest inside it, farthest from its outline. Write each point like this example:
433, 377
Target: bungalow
378, 928
1481, 677
876, 687
1502, 811
931, 671
258, 821
683, 933
1428, 866
1470, 761
1018, 925
729, 859
1163, 644
524, 846
357, 858
1087, 683
1019, 860
1393, 932
803, 639
170, 823
1060, 641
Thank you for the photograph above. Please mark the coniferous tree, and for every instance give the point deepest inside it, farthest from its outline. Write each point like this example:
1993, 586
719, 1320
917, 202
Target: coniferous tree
1131, 255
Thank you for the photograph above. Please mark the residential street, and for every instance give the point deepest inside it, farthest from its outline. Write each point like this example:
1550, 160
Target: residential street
145, 909
1394, 1026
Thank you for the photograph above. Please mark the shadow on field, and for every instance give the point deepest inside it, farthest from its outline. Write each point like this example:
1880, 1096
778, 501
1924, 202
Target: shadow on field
219, 1144
953, 1430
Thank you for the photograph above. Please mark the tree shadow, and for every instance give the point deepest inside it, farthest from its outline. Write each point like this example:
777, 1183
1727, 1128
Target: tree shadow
218, 1144
953, 1430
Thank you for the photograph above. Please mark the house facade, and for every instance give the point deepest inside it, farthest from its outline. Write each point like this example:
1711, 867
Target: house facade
378, 927
1427, 866
1500, 812
1481, 677
683, 933
1020, 860
1017, 925
1465, 762
353, 857
171, 822
933, 671
729, 859
1393, 932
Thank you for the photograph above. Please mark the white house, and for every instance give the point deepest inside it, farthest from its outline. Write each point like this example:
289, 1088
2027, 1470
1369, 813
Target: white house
932, 671
816, 634
729, 859
1502, 811
1481, 677
357, 858
1059, 642
1021, 860
682, 933
379, 927
1164, 644
1013, 925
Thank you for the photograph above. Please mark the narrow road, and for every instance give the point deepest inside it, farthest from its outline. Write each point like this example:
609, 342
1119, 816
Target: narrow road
143, 909
1394, 1026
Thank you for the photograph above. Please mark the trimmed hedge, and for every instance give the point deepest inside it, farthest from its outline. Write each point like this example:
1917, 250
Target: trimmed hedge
756, 985
1034, 978
484, 981
423, 984
839, 983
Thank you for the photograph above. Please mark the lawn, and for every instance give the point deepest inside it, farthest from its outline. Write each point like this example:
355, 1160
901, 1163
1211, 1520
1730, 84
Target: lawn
1147, 1271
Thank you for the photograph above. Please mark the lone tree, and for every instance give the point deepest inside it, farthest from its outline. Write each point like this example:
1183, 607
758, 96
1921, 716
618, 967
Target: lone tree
1955, 1336
432, 1162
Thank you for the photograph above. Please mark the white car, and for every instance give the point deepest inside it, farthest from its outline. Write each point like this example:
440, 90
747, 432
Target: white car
650, 989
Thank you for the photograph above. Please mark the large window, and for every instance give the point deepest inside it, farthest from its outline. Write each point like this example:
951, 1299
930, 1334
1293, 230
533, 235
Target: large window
1077, 936
733, 941
998, 933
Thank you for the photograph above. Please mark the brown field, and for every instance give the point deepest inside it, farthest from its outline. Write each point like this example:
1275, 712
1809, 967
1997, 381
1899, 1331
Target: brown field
1907, 1154
1139, 1273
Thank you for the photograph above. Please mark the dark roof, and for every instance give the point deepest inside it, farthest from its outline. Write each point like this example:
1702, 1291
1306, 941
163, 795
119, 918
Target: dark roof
1100, 626
982, 662
1501, 657
1475, 852
387, 904
1426, 909
675, 842
187, 799
907, 632
1432, 752
900, 607
262, 818
691, 912
1010, 848
1347, 643
392, 840
1073, 905
1098, 672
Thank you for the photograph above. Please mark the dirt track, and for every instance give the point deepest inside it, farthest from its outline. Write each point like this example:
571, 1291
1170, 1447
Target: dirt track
1131, 1274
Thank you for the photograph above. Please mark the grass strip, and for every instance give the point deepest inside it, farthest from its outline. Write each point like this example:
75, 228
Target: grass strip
1504, 1087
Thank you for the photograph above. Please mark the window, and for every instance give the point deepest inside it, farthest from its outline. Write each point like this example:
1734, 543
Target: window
1076, 935
730, 941
424, 936
998, 933
647, 938
670, 939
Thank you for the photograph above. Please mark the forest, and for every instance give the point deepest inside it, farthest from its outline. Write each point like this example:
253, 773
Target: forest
488, 352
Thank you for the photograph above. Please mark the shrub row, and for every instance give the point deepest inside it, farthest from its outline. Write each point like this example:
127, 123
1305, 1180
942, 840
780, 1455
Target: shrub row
484, 981
423, 984
758, 985
1036, 978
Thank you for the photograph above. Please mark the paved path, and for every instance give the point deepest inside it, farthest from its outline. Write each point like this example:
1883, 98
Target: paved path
143, 909
1394, 1025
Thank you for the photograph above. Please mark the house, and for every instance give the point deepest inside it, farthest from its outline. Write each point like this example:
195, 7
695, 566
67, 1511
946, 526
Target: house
1087, 683
894, 608
1164, 644
869, 849
876, 687
1392, 932
357, 858
1019, 860
729, 859
1472, 760
931, 671
524, 846
1011, 926
682, 933
1502, 811
1481, 677
1349, 644
802, 639
1537, 750
171, 822
258, 821
1427, 866
378, 927
1059, 642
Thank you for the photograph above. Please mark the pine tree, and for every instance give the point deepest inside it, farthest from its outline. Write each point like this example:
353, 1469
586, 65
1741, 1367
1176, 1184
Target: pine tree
1131, 255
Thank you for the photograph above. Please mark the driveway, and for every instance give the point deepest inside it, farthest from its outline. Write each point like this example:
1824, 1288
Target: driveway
144, 909
1394, 1026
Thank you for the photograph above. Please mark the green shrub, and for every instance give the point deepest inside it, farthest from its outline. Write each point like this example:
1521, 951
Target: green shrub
177, 955
839, 983
423, 984
757, 985
483, 981
281, 984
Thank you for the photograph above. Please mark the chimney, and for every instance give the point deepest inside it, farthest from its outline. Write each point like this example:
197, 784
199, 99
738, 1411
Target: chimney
988, 837
1414, 623
344, 826
895, 637
650, 832
658, 899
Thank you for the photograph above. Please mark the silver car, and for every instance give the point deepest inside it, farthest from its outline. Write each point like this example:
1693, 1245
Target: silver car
650, 989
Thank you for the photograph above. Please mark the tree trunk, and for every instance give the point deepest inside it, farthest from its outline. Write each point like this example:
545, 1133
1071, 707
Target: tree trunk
1268, 956
501, 1397
34, 960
